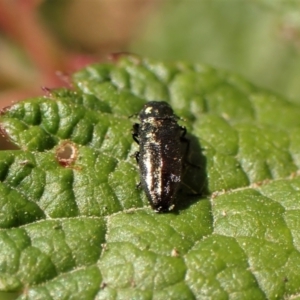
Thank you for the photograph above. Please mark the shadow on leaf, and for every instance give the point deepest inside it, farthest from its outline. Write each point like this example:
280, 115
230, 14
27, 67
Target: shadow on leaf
194, 180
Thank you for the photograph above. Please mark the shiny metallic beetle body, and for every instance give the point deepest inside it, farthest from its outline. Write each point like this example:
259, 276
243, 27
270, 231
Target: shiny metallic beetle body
160, 156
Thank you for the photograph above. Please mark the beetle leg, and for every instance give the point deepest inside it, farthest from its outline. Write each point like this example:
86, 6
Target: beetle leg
135, 133
135, 137
183, 139
183, 131
137, 156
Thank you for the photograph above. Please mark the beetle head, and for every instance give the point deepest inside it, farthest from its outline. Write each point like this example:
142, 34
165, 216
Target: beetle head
156, 109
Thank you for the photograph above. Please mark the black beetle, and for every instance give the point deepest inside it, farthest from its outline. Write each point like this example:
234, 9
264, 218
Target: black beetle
160, 157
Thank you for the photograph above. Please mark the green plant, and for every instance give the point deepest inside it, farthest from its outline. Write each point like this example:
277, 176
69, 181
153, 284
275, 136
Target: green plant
75, 227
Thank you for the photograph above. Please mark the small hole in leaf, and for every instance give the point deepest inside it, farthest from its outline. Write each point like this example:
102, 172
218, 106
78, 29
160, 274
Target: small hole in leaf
66, 153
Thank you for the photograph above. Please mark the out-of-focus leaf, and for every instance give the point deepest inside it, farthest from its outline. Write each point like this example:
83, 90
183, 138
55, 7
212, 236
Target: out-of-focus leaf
258, 39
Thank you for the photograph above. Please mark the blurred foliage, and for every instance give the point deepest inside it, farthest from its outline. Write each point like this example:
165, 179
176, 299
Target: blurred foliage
258, 39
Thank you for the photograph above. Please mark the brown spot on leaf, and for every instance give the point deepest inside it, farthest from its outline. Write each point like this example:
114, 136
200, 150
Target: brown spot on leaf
66, 153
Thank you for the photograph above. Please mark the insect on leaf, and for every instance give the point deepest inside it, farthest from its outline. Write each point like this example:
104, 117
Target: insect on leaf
74, 225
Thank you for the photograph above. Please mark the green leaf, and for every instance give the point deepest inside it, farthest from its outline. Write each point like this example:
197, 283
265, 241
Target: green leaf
74, 226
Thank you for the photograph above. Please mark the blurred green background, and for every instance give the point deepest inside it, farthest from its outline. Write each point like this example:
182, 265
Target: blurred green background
259, 39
